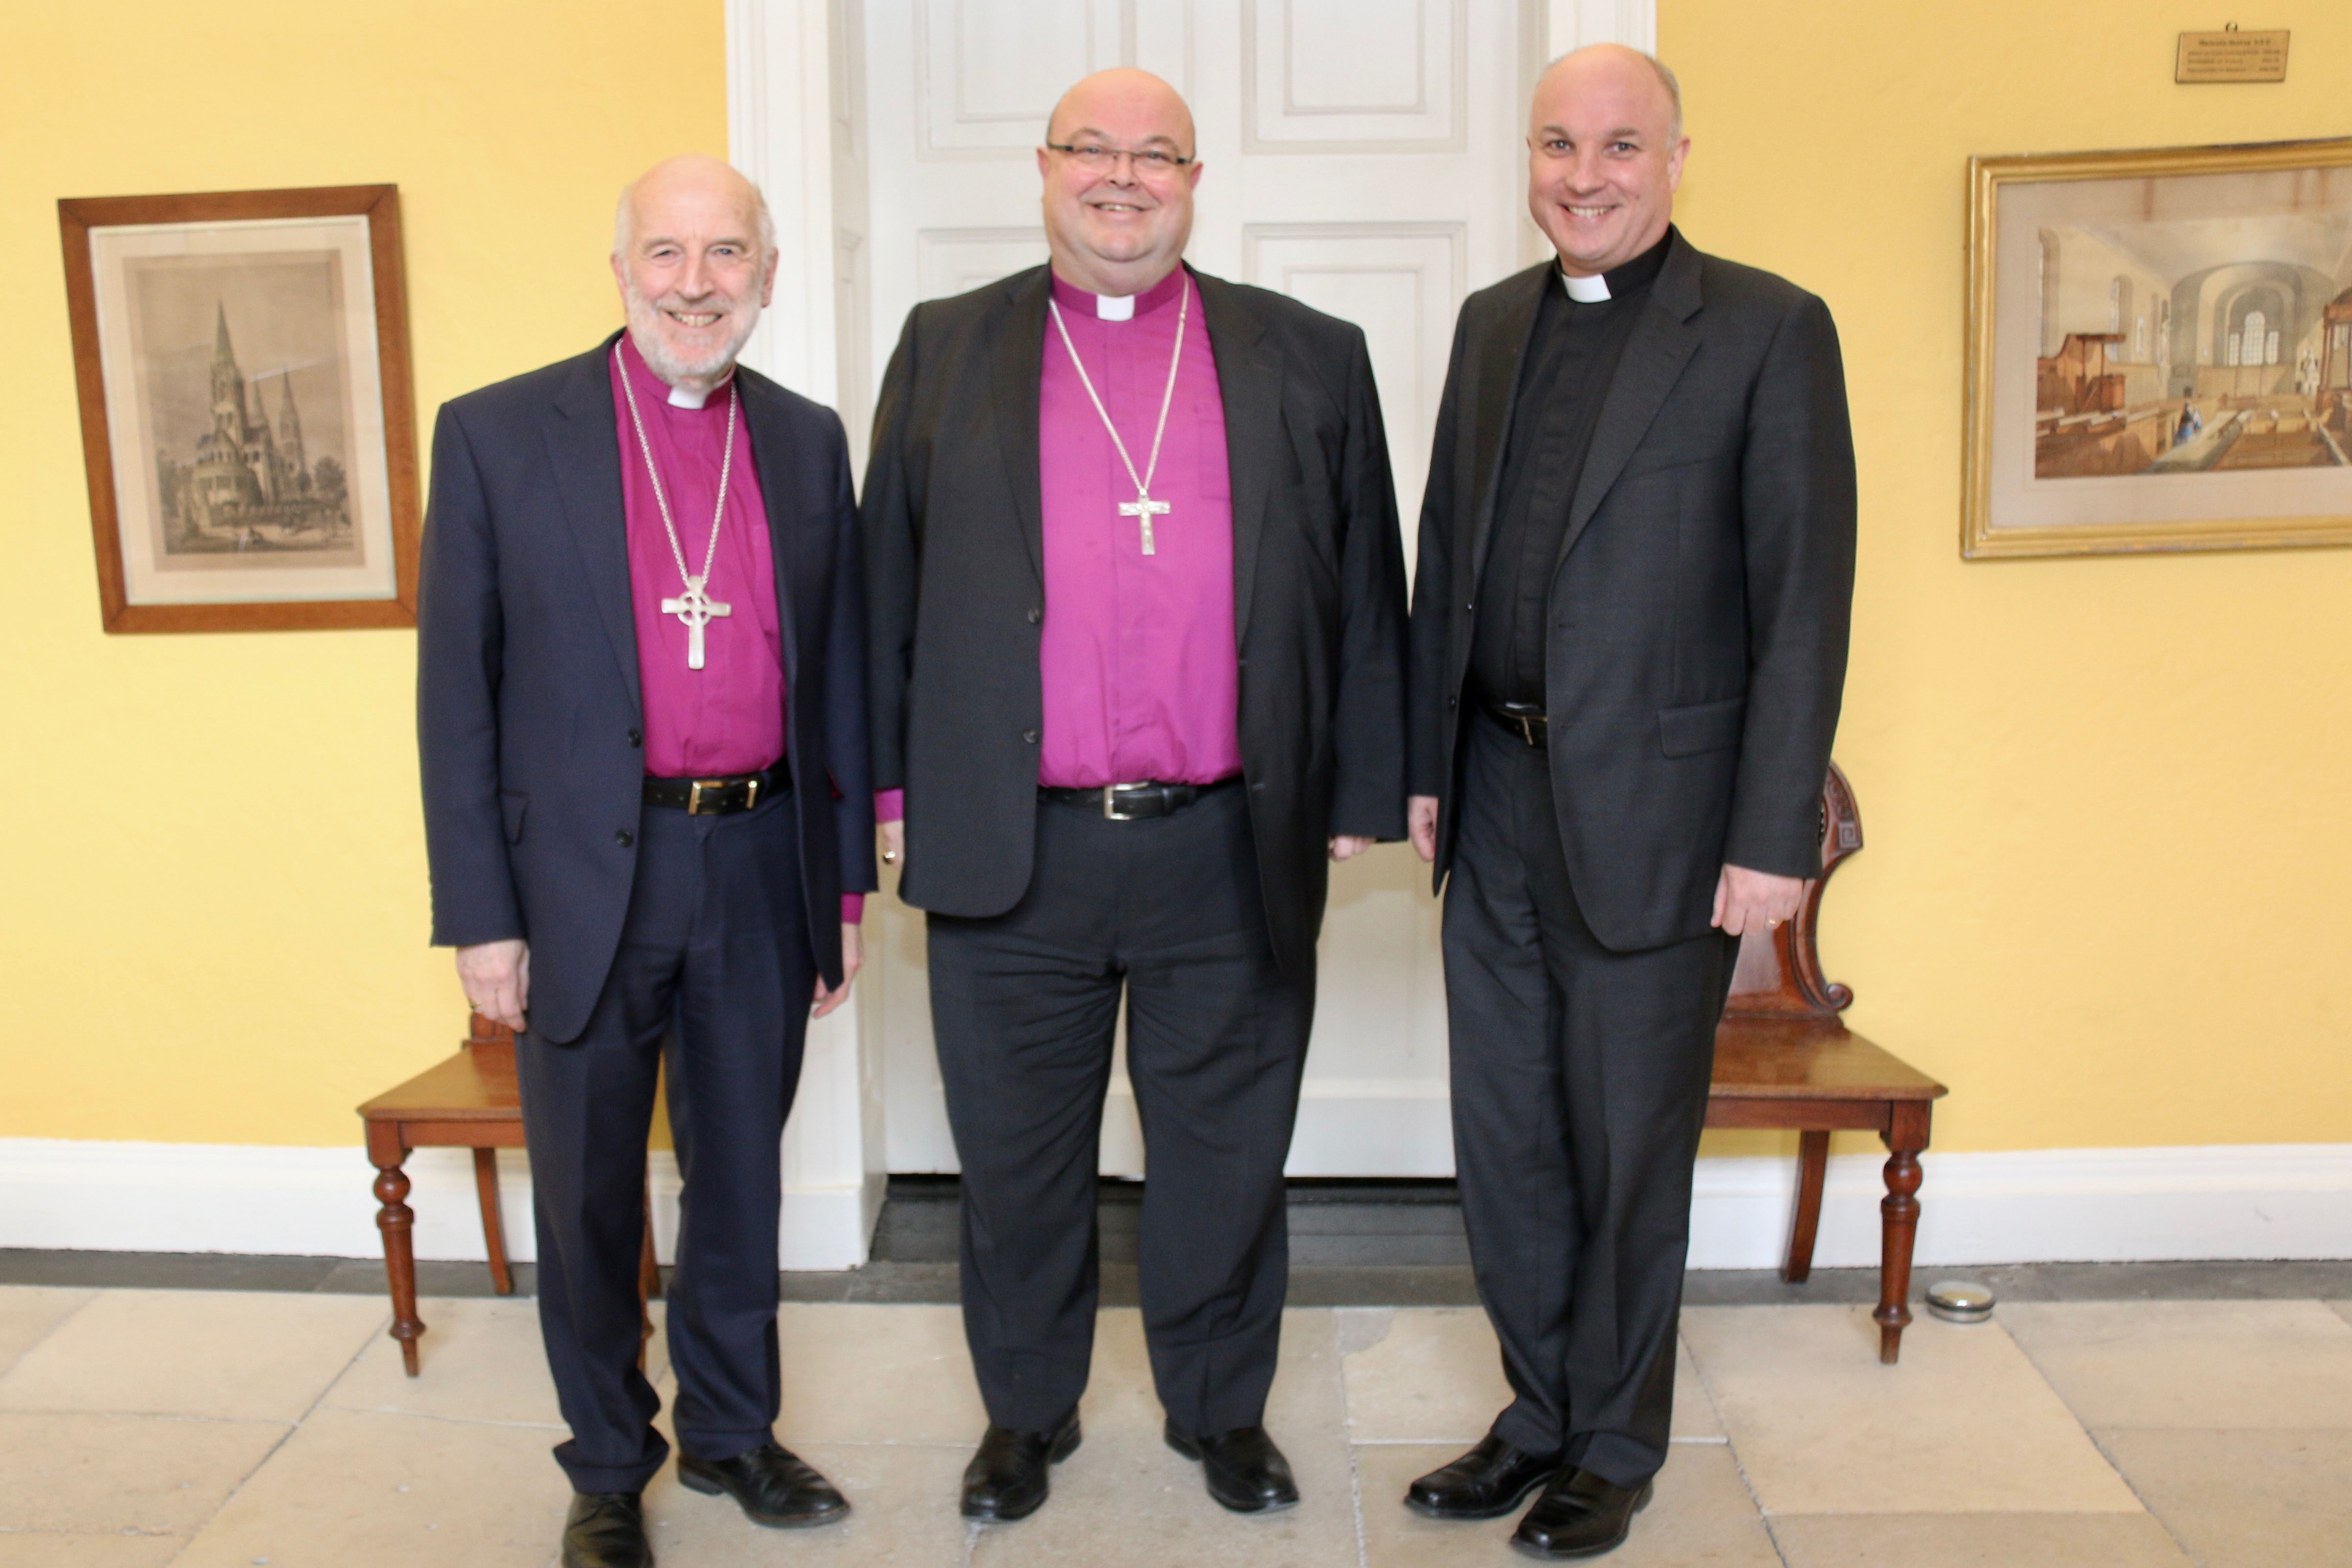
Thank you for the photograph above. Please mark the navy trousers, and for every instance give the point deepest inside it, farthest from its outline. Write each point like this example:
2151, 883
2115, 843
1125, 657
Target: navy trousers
1580, 1081
715, 969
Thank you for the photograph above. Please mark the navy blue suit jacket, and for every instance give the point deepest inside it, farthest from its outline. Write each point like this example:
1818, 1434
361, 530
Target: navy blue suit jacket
529, 721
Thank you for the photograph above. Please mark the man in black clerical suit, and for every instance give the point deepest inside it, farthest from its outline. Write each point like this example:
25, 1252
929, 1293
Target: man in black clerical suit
1138, 604
1629, 642
647, 825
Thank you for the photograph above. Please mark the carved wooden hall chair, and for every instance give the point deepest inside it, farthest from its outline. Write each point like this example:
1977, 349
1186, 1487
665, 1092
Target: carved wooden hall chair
468, 1101
1785, 1060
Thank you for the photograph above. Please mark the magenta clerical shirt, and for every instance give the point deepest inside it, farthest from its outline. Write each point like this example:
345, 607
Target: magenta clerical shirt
1140, 673
729, 715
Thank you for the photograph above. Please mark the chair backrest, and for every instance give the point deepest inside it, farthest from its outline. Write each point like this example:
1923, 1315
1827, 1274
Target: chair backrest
1780, 972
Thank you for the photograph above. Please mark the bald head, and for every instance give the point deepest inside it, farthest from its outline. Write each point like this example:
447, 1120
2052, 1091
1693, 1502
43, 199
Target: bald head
695, 254
1119, 171
1122, 98
1612, 67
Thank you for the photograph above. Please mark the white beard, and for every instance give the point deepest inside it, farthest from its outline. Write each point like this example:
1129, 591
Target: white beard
645, 330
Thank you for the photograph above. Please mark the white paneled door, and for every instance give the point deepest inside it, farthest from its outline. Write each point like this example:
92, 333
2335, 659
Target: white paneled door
1362, 155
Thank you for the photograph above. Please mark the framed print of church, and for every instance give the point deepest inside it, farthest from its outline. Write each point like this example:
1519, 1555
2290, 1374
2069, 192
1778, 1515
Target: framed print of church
248, 425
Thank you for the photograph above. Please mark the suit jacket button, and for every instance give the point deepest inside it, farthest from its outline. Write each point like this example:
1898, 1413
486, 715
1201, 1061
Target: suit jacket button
636, 739
1452, 702
1036, 615
624, 839
1030, 736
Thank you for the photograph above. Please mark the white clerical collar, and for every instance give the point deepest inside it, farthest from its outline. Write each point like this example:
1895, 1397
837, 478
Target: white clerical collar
1586, 290
679, 397
1115, 307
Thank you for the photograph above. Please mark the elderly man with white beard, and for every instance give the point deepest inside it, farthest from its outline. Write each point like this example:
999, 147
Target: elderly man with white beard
641, 709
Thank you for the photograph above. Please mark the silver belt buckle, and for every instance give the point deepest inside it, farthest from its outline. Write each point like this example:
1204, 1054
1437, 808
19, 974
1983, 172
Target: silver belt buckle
1110, 802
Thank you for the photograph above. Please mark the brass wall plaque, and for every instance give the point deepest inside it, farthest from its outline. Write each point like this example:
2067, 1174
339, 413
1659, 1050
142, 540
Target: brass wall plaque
2231, 56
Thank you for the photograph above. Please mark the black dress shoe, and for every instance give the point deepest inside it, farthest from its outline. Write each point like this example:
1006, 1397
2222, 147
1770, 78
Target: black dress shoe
1488, 1482
775, 1486
606, 1530
1580, 1515
1007, 1478
1244, 1468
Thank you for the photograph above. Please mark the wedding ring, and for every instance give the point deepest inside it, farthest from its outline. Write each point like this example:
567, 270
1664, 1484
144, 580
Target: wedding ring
890, 857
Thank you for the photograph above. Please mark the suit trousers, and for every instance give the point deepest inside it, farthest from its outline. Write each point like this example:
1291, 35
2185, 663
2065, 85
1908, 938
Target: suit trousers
715, 971
1023, 1006
1579, 1084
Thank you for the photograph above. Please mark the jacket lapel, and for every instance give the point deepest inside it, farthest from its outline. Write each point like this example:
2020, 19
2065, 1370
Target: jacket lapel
1497, 401
1249, 382
779, 460
1016, 361
1662, 344
584, 446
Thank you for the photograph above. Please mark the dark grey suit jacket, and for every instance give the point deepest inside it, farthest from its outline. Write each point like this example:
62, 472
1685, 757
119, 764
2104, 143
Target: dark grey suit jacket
955, 563
529, 715
1697, 635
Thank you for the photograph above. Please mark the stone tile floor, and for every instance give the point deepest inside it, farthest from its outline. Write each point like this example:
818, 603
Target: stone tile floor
256, 1429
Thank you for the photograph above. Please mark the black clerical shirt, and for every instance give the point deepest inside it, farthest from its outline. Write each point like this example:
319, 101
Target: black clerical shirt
1573, 353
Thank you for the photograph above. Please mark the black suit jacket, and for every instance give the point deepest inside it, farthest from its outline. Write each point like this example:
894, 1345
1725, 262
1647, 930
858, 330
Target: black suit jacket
528, 711
955, 553
1695, 643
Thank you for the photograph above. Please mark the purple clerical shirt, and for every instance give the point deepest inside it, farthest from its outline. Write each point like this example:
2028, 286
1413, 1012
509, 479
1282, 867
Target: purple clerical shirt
729, 715
1140, 673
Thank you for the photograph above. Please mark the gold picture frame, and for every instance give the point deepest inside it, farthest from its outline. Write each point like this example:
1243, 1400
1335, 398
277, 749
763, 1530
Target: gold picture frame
248, 425
2159, 350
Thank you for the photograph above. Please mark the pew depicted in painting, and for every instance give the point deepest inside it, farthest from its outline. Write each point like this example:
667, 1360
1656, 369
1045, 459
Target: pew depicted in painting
248, 427
2188, 347
2160, 350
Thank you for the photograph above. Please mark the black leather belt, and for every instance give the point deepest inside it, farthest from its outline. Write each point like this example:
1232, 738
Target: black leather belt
1132, 802
1524, 719
720, 796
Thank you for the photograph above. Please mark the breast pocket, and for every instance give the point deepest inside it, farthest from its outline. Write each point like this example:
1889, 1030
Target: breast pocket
1702, 727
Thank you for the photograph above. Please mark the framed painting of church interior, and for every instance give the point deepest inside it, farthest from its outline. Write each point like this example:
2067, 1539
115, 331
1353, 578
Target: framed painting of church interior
246, 420
2159, 350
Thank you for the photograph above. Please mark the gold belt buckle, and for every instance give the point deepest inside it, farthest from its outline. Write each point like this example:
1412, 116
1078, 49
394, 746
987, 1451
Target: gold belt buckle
694, 795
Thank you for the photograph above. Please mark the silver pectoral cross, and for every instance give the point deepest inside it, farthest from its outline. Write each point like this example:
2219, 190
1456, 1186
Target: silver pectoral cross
695, 608
1143, 509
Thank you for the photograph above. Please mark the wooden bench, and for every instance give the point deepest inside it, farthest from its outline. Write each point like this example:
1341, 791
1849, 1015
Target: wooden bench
1784, 1058
468, 1101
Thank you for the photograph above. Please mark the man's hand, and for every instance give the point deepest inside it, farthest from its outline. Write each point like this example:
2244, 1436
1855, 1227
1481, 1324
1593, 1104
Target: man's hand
1747, 900
853, 956
893, 843
1347, 846
497, 978
1421, 824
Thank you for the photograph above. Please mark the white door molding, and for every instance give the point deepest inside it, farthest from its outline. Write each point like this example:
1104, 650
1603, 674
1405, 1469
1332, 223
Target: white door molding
1575, 23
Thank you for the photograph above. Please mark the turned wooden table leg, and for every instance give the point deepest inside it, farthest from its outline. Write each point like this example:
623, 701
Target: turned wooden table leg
1812, 1169
494, 1230
1906, 1135
648, 1278
397, 1221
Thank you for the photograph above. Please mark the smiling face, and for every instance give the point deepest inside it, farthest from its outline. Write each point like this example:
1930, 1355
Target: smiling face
1604, 155
1121, 228
693, 268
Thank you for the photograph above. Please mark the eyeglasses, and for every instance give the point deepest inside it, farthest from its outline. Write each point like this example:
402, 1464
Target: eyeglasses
1096, 159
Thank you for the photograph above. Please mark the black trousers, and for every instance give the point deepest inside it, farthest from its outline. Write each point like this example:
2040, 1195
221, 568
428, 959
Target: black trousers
1580, 1081
715, 961
1023, 1006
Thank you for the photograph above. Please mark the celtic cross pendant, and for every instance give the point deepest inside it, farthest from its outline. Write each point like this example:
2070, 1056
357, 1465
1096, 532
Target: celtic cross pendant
695, 608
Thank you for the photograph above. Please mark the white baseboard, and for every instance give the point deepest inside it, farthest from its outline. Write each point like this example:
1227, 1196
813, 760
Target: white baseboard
228, 1197
2254, 1201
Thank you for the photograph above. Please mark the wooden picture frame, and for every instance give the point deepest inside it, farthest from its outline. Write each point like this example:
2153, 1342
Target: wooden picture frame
266, 487
2159, 350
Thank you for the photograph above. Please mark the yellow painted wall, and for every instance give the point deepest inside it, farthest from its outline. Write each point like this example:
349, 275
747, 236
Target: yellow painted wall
213, 920
2109, 827
2107, 802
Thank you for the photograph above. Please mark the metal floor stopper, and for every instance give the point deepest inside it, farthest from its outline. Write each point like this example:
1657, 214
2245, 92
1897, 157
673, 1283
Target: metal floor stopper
1960, 1301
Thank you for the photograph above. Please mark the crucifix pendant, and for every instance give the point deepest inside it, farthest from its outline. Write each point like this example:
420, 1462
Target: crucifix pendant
695, 608
1143, 509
